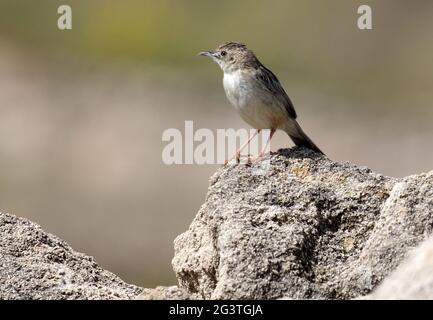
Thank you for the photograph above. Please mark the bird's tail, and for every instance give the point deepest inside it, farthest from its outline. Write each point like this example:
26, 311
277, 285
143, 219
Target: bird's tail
300, 138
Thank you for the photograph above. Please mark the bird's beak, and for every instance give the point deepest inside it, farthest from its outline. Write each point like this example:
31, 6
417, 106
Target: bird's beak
208, 54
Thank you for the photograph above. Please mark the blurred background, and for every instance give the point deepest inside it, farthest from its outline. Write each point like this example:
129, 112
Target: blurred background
82, 112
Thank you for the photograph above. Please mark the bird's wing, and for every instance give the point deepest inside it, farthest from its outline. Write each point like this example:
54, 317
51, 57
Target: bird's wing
270, 82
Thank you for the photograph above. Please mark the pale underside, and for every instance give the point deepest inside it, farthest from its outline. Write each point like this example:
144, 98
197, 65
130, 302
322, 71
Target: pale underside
256, 105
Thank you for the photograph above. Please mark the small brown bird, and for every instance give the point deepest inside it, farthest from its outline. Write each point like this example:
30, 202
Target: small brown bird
257, 95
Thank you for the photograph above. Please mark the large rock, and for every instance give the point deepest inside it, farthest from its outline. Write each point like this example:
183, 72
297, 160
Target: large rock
301, 226
295, 226
37, 265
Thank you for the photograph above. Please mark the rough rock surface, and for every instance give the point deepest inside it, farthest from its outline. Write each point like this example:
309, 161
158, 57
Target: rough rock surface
301, 226
295, 226
38, 265
412, 280
164, 293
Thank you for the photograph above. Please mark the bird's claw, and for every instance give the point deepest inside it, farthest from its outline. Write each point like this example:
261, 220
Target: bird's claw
257, 159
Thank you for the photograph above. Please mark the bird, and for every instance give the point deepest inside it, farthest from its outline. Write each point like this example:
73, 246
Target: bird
257, 95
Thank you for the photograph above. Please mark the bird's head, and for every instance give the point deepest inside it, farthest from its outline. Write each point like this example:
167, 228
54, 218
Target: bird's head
232, 56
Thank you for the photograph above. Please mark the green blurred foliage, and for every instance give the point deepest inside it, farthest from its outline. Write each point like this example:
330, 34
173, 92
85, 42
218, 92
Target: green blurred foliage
307, 40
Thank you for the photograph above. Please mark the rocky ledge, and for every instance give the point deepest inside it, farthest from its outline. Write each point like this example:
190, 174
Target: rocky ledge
296, 225
302, 226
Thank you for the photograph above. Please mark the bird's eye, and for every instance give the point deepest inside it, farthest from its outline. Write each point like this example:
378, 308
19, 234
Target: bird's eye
223, 53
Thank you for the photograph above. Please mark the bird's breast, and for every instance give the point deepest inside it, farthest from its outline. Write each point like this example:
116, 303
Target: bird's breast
232, 82
248, 100
239, 89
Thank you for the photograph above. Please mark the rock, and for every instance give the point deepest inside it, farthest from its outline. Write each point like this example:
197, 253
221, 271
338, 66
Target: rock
164, 293
295, 225
413, 279
405, 220
301, 226
37, 265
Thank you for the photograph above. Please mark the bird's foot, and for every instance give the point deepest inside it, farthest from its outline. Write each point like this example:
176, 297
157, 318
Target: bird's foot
259, 157
237, 156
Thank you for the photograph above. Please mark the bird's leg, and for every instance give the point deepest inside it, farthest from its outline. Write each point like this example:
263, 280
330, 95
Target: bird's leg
262, 153
238, 152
